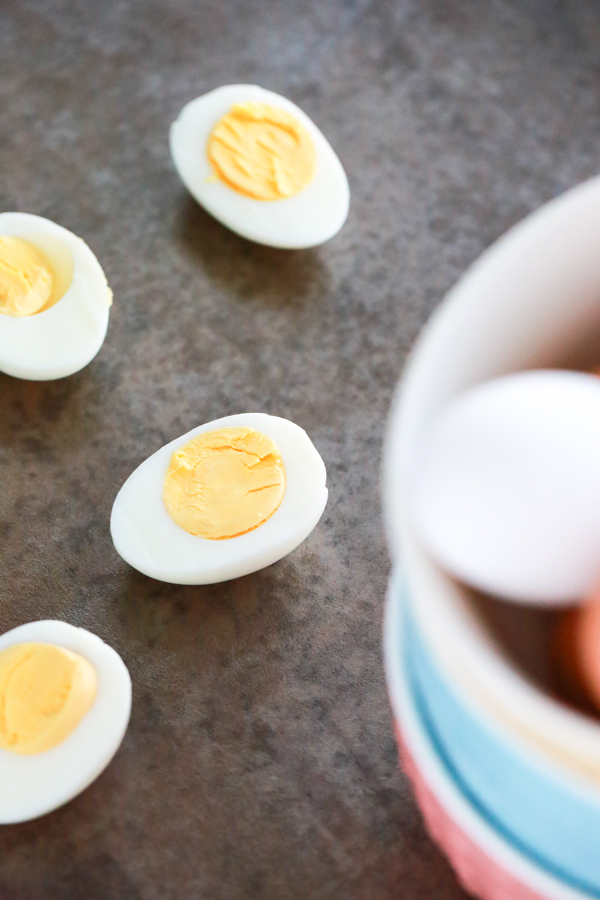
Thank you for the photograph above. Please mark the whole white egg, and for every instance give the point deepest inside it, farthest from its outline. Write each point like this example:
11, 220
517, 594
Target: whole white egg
145, 535
64, 337
37, 784
506, 491
309, 218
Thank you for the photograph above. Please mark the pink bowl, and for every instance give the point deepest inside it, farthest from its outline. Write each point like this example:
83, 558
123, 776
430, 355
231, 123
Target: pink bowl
477, 872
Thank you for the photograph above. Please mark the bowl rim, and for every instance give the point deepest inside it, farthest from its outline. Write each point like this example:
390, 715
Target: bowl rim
577, 786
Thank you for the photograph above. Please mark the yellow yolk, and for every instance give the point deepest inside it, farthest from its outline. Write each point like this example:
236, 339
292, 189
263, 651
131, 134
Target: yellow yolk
262, 152
224, 483
44, 693
25, 277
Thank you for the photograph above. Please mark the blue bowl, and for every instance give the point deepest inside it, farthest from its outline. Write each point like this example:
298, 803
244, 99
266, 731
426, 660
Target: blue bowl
542, 810
486, 864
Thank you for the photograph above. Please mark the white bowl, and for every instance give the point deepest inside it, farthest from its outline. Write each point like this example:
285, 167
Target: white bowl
531, 301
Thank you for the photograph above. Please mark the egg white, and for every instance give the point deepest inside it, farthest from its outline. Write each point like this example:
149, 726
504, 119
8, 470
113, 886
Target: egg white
305, 220
63, 339
31, 786
145, 535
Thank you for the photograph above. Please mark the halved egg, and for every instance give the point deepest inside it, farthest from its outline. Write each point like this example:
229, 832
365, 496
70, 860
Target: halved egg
259, 165
226, 499
65, 700
54, 299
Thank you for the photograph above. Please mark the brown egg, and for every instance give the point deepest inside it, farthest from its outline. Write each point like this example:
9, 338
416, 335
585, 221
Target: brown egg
568, 680
586, 636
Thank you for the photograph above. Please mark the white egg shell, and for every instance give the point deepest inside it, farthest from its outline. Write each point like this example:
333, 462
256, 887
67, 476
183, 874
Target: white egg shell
65, 337
305, 220
36, 784
148, 539
507, 487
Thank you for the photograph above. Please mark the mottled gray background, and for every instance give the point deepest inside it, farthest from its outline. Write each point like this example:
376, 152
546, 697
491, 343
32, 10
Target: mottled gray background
260, 761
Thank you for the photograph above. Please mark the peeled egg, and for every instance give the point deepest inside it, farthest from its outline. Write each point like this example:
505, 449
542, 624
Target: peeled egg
69, 330
311, 216
147, 536
33, 785
506, 489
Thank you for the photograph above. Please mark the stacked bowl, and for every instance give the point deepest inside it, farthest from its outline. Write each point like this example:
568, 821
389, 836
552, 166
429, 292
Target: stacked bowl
507, 776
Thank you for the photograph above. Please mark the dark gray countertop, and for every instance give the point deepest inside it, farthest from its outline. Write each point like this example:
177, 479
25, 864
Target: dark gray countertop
260, 760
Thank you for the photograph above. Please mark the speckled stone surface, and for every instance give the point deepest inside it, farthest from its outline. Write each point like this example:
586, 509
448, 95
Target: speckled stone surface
260, 760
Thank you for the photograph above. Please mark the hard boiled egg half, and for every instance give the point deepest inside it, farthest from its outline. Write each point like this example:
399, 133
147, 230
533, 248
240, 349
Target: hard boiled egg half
259, 165
54, 299
65, 699
226, 499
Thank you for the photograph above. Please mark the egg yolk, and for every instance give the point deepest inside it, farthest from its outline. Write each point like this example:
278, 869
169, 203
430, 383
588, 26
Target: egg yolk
224, 483
262, 152
25, 277
45, 691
